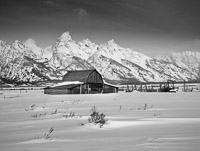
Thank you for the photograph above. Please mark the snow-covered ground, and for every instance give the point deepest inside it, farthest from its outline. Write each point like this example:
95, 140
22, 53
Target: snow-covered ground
136, 121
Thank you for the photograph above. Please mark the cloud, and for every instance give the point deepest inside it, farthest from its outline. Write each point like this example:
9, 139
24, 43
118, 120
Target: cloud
52, 4
81, 13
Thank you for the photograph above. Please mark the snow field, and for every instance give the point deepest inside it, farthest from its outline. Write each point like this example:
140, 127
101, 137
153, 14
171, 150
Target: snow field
136, 121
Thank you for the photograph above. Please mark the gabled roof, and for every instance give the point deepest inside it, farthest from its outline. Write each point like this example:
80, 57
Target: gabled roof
78, 75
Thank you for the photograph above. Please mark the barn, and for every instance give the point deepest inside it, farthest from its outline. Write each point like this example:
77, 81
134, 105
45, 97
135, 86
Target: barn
81, 82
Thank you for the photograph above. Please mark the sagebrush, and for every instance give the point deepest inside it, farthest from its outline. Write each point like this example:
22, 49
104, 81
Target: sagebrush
96, 117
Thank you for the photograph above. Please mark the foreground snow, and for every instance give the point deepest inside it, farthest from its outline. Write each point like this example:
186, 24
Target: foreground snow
136, 121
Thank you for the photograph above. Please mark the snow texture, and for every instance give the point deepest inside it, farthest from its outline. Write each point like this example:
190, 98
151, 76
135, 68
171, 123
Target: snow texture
170, 121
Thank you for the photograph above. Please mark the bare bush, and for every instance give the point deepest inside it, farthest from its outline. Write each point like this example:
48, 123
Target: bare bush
72, 115
48, 135
96, 117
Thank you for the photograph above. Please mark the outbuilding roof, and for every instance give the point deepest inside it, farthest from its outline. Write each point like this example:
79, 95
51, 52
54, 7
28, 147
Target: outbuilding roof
112, 85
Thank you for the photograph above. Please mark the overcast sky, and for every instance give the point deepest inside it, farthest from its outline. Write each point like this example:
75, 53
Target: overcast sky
149, 24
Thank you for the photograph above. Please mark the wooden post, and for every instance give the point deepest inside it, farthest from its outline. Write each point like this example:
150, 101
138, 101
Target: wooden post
160, 86
80, 88
145, 87
103, 88
184, 86
0, 84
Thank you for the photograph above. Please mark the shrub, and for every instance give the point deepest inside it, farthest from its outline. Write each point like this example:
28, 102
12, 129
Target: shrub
96, 117
71, 114
48, 135
55, 112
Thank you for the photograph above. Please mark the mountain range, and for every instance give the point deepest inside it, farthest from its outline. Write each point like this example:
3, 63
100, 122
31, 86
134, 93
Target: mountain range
28, 63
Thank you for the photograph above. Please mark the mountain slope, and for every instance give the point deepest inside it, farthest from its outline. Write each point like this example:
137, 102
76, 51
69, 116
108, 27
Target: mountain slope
188, 60
29, 63
141, 67
17, 64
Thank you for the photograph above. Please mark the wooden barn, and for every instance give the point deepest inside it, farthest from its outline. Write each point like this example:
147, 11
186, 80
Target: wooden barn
81, 82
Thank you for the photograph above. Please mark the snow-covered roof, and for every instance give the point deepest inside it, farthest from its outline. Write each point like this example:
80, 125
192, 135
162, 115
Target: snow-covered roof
66, 83
110, 84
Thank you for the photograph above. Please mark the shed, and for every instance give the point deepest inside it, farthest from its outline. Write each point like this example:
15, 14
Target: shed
110, 88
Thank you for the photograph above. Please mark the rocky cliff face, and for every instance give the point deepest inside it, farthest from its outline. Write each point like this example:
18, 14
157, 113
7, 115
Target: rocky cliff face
26, 62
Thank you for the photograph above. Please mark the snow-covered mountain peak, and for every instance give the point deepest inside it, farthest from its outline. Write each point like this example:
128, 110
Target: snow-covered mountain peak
18, 45
31, 44
17, 42
182, 56
65, 37
2, 43
193, 45
111, 50
87, 42
28, 62
189, 60
112, 43
191, 53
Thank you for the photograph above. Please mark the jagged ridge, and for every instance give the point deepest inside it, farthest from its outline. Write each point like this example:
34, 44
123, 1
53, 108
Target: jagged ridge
29, 63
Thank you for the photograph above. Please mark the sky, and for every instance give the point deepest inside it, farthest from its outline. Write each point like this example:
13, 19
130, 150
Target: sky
155, 26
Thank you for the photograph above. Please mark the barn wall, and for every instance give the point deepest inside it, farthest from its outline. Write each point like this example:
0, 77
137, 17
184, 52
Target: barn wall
110, 89
57, 91
74, 90
95, 77
93, 88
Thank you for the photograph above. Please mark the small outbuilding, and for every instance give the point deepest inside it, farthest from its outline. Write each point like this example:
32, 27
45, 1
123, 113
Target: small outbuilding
81, 82
110, 88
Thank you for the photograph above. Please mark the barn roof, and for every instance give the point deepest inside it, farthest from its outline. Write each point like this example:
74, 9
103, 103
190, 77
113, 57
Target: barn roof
78, 75
65, 85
